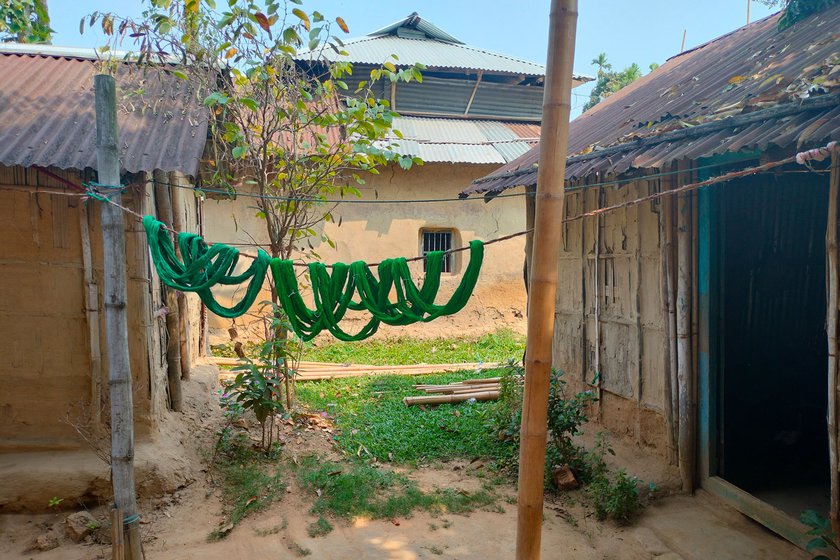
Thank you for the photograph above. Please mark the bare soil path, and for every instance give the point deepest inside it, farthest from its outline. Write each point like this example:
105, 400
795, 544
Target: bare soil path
177, 527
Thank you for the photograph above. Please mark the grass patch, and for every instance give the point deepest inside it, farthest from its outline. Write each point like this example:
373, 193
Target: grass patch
320, 527
494, 347
249, 481
373, 419
358, 489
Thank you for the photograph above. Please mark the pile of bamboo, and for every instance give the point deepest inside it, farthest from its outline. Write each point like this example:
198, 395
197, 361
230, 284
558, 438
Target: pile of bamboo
478, 389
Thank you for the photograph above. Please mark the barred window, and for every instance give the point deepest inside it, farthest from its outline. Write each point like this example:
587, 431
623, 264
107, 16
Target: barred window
438, 240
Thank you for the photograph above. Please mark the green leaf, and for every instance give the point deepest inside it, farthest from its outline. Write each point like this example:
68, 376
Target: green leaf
210, 4
813, 519
250, 103
238, 152
818, 542
178, 74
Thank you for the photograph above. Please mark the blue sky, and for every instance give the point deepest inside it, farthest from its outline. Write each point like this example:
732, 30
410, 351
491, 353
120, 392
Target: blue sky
642, 31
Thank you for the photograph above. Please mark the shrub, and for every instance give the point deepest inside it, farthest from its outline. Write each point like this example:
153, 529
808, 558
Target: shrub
617, 499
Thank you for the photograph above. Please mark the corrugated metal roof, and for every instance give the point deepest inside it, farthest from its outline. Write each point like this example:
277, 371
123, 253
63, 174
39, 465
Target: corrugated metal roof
414, 21
720, 97
417, 41
432, 53
464, 141
47, 115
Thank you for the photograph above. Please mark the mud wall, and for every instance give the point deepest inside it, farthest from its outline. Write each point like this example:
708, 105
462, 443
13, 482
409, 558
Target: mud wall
372, 232
54, 379
609, 322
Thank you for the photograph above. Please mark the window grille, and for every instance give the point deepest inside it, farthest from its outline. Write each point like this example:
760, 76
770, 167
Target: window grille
438, 241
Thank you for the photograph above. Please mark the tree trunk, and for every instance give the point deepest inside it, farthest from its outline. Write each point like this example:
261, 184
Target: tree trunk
116, 320
163, 201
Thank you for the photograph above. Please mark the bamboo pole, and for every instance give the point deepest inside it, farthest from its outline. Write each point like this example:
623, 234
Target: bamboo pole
686, 442
670, 354
117, 541
548, 234
183, 304
446, 399
116, 320
93, 321
831, 332
163, 201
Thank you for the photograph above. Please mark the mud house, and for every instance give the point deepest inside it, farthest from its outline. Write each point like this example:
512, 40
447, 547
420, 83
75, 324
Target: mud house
701, 318
474, 111
54, 379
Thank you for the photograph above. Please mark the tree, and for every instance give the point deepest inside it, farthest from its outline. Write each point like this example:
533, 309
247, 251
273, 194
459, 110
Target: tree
795, 10
292, 133
25, 21
609, 81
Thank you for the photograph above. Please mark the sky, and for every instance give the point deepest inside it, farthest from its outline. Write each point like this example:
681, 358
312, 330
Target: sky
642, 31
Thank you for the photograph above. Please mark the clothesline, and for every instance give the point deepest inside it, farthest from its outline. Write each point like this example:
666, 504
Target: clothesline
803, 158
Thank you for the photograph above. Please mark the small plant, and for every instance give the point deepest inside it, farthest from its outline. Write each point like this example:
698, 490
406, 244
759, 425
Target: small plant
436, 550
255, 388
616, 500
55, 501
92, 525
299, 550
824, 538
320, 527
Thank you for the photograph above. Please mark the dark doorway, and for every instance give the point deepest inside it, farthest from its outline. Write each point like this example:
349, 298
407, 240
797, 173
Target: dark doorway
772, 342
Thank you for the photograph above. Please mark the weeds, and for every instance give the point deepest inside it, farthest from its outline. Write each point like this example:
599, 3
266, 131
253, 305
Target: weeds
249, 481
616, 499
613, 496
823, 539
320, 527
299, 550
358, 489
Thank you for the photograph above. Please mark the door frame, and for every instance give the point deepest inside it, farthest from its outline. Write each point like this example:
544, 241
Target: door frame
710, 368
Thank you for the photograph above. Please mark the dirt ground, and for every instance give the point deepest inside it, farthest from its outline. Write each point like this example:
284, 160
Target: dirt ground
177, 526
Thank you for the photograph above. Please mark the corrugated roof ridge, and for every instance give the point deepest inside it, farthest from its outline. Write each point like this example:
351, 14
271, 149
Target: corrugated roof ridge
367, 39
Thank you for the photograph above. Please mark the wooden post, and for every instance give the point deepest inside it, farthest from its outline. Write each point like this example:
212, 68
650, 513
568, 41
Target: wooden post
163, 201
183, 304
831, 332
666, 215
117, 541
548, 233
686, 443
530, 213
92, 319
116, 321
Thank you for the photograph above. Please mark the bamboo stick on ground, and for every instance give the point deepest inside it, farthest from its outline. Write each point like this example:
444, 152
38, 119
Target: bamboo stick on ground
444, 399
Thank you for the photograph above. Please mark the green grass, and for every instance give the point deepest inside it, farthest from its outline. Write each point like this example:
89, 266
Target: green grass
494, 347
358, 489
373, 420
250, 482
320, 527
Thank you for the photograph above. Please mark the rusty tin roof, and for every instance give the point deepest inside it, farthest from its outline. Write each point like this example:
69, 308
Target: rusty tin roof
750, 89
47, 113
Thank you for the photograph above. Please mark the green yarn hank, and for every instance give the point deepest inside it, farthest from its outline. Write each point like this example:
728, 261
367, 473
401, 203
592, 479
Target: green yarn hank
201, 266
